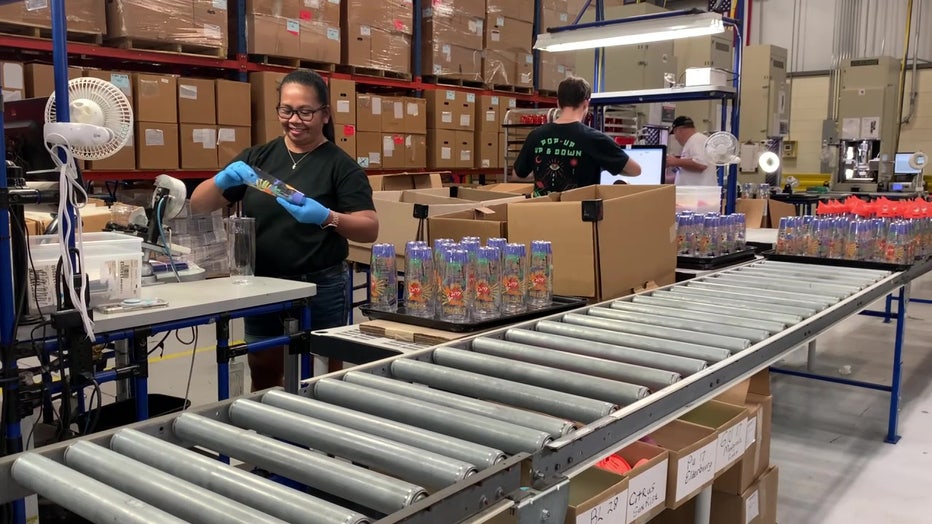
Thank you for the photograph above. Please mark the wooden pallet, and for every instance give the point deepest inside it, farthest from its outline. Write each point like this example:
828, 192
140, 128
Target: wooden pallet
294, 63
512, 89
176, 48
371, 71
460, 82
34, 31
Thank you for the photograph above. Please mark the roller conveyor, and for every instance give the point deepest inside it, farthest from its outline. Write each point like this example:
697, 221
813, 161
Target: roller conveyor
444, 433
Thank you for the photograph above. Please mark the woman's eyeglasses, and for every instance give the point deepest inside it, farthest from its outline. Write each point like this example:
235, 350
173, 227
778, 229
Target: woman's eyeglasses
306, 114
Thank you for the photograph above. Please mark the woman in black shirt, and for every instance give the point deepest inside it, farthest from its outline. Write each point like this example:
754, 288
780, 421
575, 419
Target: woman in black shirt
307, 242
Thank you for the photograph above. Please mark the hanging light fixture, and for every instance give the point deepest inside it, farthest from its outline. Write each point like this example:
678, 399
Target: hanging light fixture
631, 30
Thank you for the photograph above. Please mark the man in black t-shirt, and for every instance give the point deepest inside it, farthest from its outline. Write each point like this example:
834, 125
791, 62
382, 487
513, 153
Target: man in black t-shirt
566, 154
306, 242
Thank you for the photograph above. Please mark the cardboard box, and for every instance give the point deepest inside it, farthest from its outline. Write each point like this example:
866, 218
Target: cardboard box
489, 114
555, 18
488, 151
265, 131
442, 107
320, 41
692, 459
405, 181
485, 223
499, 67
553, 70
198, 144
508, 34
730, 425
450, 7
516, 9
393, 151
369, 149
125, 159
197, 101
273, 35
757, 505
234, 103
416, 152
210, 25
510, 187
156, 98
415, 117
460, 29
452, 61
524, 69
397, 14
597, 496
441, 147
343, 101
12, 81
368, 112
464, 152
374, 47
156, 145
264, 93
632, 244
647, 483
393, 114
84, 16
346, 138
231, 141
146, 20
40, 79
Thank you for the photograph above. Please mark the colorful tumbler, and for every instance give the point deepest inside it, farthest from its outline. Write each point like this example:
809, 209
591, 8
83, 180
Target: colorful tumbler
488, 300
540, 275
383, 280
514, 279
419, 279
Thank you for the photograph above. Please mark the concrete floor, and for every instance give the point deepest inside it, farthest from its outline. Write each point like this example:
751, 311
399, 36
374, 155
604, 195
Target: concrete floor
827, 439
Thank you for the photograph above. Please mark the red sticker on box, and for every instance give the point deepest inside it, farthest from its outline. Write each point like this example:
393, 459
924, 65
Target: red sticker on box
305, 14
398, 139
399, 25
349, 130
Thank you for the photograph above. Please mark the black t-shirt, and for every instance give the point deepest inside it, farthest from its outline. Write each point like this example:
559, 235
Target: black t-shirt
567, 156
284, 246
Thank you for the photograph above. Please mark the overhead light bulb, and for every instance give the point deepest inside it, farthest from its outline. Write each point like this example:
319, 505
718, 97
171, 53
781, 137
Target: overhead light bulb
769, 162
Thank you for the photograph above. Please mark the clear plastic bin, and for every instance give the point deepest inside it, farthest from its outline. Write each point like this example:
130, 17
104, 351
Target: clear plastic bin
701, 199
113, 264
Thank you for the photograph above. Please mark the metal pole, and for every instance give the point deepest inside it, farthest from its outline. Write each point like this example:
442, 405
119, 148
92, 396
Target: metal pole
687, 303
83, 495
670, 347
368, 488
292, 365
902, 301
619, 393
178, 497
647, 330
754, 335
652, 378
542, 400
682, 365
482, 456
553, 426
423, 467
703, 514
253, 490
121, 359
507, 437
747, 323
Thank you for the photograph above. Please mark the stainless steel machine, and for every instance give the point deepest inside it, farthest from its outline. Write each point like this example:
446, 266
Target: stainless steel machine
866, 126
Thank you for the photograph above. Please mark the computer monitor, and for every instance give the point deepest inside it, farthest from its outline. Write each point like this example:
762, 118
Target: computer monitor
23, 121
653, 162
901, 165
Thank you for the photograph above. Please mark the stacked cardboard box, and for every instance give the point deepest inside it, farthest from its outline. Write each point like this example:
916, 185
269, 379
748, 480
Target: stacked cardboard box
391, 132
84, 16
490, 113
343, 114
377, 35
508, 36
302, 29
12, 81
201, 23
264, 96
554, 67
450, 123
453, 33
234, 119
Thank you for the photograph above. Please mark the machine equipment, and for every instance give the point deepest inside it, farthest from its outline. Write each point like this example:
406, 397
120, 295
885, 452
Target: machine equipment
765, 110
866, 126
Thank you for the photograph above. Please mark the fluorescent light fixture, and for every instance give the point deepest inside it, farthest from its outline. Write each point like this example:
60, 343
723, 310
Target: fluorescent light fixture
628, 31
769, 162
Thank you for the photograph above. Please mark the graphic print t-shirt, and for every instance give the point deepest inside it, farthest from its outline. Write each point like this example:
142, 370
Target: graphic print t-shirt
566, 156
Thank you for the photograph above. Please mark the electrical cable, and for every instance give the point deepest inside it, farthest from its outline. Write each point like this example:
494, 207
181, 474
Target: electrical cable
168, 251
187, 389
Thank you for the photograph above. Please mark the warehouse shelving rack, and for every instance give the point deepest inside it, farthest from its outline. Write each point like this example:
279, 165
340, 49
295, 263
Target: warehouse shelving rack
236, 67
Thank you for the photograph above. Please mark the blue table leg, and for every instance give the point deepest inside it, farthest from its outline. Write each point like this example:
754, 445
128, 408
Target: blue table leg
887, 309
141, 390
223, 360
893, 422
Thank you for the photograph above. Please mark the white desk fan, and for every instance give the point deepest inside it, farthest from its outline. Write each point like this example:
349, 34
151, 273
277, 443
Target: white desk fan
102, 122
722, 148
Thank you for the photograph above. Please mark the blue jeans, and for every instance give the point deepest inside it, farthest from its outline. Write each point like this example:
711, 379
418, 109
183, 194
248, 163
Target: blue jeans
329, 307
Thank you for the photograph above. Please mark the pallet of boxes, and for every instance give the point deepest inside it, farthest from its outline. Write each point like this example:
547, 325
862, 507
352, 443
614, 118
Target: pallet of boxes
507, 40
180, 26
294, 33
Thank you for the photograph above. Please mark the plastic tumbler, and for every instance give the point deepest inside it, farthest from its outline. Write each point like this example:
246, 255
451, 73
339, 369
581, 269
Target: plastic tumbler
383, 280
419, 279
455, 279
241, 235
488, 301
275, 187
540, 275
514, 279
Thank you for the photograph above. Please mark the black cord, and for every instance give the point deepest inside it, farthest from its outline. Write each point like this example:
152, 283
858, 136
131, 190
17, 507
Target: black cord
187, 389
160, 345
187, 342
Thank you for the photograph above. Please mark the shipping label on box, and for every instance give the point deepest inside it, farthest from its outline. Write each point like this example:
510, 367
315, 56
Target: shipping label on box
694, 471
647, 491
731, 445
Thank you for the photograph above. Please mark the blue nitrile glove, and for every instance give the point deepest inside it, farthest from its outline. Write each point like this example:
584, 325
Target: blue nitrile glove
311, 212
235, 174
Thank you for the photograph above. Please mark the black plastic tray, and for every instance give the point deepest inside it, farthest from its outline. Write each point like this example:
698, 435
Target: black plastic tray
560, 304
836, 262
709, 263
